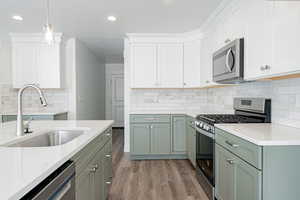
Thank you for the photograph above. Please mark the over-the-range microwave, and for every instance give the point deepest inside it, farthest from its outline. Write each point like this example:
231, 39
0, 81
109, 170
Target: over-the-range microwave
228, 63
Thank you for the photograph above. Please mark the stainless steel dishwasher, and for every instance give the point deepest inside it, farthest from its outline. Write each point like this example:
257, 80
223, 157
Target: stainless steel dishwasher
60, 185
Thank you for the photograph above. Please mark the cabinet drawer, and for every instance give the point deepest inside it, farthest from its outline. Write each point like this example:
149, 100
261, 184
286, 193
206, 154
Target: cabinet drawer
150, 118
248, 151
87, 153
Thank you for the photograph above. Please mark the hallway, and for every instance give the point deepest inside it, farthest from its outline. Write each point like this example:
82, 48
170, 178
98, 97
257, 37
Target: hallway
152, 179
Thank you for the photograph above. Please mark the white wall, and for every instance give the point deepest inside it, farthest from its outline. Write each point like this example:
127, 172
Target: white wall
71, 76
5, 62
127, 96
111, 68
90, 84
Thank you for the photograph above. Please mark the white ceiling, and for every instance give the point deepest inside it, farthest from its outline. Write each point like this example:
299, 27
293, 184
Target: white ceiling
86, 19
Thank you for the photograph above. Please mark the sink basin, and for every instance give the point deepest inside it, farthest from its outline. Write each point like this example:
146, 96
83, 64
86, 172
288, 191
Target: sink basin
52, 138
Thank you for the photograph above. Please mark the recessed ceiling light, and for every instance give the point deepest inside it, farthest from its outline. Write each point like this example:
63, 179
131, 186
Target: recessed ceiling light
112, 18
17, 17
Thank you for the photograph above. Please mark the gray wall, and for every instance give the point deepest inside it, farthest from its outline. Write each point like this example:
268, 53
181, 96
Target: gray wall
90, 84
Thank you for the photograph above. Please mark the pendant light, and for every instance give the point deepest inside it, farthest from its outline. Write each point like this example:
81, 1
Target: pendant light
48, 28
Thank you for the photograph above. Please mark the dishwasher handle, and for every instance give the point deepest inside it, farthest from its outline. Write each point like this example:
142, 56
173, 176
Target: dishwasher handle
61, 194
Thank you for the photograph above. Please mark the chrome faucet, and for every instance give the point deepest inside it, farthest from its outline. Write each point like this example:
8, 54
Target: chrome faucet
20, 123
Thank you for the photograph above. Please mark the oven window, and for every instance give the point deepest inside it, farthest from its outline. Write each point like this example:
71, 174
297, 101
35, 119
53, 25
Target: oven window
205, 156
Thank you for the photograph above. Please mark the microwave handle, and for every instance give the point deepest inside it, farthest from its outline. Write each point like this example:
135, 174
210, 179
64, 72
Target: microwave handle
227, 60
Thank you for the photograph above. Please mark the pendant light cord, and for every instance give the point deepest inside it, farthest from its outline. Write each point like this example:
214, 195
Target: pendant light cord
48, 11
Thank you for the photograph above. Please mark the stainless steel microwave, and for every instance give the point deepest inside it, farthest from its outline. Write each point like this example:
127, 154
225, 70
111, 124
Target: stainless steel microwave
228, 63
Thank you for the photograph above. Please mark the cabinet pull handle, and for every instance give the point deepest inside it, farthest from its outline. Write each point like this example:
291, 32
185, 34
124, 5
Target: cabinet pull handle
108, 156
230, 161
93, 170
265, 67
108, 182
231, 144
108, 134
150, 118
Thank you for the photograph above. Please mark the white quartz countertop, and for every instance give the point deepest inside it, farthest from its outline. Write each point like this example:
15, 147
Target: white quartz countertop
36, 113
21, 169
264, 134
175, 112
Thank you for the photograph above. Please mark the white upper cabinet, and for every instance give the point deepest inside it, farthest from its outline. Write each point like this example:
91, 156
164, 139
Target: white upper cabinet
192, 62
286, 37
49, 66
206, 60
170, 65
272, 43
23, 64
143, 66
156, 65
35, 62
258, 41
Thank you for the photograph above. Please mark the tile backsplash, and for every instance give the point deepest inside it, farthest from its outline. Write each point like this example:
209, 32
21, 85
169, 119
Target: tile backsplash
285, 95
57, 100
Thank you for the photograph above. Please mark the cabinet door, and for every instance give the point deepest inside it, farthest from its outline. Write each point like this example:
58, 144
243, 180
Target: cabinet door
192, 64
247, 181
286, 31
160, 139
84, 185
193, 146
178, 134
140, 139
98, 177
236, 179
206, 60
24, 64
107, 170
224, 179
144, 66
258, 41
48, 66
188, 138
170, 66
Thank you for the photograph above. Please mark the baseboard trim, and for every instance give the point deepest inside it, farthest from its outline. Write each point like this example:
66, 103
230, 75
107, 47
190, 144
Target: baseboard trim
159, 157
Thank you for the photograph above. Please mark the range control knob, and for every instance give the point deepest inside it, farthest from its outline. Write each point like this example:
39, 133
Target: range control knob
201, 125
206, 127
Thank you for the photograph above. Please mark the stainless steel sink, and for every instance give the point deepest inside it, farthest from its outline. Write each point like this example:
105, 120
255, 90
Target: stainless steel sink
53, 138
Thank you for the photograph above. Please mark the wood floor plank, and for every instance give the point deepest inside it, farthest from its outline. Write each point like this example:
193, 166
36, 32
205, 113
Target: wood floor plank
151, 179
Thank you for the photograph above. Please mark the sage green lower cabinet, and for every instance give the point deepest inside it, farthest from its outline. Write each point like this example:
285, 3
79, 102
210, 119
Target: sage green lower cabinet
107, 169
140, 139
160, 139
235, 179
191, 140
246, 171
157, 137
60, 116
178, 134
93, 169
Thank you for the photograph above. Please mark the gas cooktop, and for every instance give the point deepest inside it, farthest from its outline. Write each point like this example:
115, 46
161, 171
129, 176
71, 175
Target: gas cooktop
228, 118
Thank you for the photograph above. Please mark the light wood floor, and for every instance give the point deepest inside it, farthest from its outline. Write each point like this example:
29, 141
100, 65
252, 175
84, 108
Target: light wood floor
151, 180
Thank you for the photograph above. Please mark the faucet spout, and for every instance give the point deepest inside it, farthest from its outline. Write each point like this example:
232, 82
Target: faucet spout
20, 123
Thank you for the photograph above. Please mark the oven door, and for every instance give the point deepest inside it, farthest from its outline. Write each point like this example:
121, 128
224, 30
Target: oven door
205, 154
228, 63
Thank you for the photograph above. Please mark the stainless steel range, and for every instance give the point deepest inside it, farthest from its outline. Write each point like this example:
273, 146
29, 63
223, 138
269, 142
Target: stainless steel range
247, 110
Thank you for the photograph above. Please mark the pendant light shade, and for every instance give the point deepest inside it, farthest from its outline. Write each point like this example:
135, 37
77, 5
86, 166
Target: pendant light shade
48, 28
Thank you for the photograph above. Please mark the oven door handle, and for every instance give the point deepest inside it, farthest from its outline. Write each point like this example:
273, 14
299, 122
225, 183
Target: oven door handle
210, 135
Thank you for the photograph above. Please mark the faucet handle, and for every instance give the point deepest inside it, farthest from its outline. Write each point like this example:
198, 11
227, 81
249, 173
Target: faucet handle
27, 126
